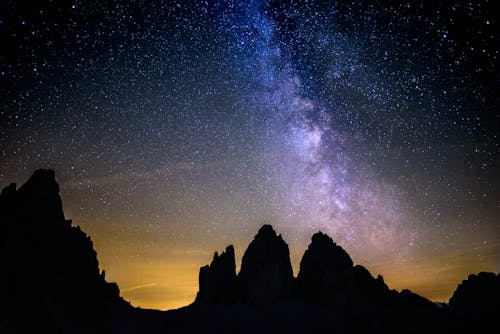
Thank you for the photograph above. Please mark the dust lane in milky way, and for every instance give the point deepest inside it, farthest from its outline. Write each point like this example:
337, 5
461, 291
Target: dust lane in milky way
178, 128
320, 186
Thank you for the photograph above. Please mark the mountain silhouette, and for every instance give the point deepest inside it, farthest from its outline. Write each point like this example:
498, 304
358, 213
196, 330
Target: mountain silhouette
326, 272
476, 302
266, 271
50, 273
217, 281
50, 283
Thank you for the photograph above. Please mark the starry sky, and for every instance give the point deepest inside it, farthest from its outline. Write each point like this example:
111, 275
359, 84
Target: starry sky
179, 127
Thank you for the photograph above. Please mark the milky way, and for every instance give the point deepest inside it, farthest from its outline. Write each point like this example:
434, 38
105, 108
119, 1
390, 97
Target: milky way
322, 189
176, 128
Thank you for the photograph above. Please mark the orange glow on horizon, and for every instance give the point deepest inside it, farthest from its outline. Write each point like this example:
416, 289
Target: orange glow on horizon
171, 282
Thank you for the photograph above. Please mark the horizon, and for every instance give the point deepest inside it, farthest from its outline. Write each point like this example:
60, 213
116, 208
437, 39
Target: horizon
394, 278
176, 129
166, 294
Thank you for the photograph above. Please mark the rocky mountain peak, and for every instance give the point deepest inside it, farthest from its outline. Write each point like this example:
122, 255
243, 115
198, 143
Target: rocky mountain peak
266, 271
326, 272
217, 281
39, 197
52, 265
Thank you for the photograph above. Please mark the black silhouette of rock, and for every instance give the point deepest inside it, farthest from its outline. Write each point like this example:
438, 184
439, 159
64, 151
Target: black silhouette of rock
218, 280
475, 304
327, 276
477, 294
367, 286
326, 272
37, 201
266, 272
50, 271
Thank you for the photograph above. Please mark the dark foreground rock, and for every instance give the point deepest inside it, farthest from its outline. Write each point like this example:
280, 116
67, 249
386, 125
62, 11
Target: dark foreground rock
218, 280
50, 279
50, 283
326, 273
476, 303
266, 271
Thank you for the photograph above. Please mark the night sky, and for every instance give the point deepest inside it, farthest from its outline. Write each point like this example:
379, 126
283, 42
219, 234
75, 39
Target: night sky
177, 128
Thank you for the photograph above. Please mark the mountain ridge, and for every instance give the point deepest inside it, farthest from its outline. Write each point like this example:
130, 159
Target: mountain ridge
53, 278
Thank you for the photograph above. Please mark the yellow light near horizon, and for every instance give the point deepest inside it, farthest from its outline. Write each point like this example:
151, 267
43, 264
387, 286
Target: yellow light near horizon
155, 276
161, 285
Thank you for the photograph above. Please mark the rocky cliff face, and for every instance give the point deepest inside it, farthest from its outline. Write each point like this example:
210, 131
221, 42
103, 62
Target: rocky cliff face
368, 287
327, 277
266, 272
476, 302
477, 294
52, 273
218, 280
326, 272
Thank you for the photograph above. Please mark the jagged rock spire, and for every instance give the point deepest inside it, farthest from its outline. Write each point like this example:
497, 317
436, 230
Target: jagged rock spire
266, 272
53, 273
37, 200
218, 280
326, 272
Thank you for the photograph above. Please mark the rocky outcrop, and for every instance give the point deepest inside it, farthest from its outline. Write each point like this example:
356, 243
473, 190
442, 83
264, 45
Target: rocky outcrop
51, 270
37, 201
368, 287
266, 272
327, 276
477, 294
329, 291
326, 272
218, 280
475, 304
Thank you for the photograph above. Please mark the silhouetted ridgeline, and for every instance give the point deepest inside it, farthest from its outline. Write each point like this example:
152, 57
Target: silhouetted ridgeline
50, 278
50, 283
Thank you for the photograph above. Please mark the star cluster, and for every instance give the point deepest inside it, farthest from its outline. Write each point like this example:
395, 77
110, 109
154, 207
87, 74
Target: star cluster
178, 127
